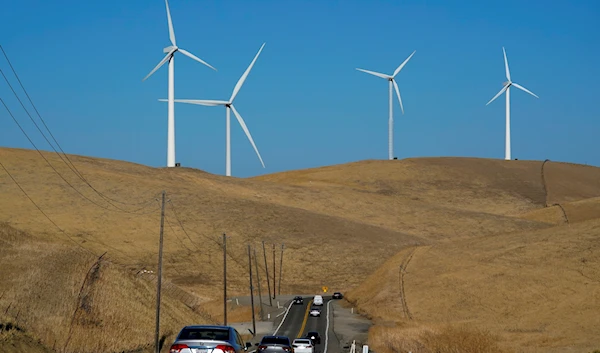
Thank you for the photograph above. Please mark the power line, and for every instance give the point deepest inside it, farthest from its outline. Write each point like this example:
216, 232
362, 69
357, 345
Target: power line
44, 213
71, 165
56, 171
181, 225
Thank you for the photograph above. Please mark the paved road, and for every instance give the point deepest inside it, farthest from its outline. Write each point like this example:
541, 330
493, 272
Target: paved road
298, 323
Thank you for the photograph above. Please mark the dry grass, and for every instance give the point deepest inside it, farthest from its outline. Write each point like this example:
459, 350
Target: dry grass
538, 291
40, 284
444, 339
348, 219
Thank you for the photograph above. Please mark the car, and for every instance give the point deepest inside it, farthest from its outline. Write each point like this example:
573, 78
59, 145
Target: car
314, 337
315, 311
274, 344
318, 300
208, 338
303, 345
337, 295
298, 300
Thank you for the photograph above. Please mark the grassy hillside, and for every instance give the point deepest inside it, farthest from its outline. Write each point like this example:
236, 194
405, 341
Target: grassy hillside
66, 298
339, 223
538, 291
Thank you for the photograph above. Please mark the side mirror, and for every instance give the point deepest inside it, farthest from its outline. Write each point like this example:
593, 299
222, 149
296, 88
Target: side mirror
248, 344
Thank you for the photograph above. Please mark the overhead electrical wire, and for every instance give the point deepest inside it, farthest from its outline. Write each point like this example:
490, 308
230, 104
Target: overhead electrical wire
66, 158
56, 171
44, 213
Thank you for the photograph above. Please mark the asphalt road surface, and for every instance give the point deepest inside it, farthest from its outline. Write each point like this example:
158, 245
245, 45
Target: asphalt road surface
297, 323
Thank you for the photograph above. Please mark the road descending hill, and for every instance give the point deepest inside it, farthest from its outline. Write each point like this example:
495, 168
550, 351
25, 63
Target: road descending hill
339, 223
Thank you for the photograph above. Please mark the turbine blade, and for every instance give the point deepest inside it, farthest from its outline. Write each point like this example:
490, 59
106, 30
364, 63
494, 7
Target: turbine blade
208, 103
161, 63
498, 94
524, 89
398, 94
245, 128
190, 55
171, 30
375, 73
242, 79
506, 65
402, 65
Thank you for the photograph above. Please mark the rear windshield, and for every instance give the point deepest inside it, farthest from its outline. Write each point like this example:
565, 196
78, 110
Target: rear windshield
302, 341
275, 340
204, 334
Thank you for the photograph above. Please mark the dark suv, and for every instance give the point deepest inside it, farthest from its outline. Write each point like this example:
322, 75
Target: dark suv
298, 300
207, 338
274, 344
314, 337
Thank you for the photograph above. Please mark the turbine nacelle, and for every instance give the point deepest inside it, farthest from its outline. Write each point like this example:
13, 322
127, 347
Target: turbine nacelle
170, 48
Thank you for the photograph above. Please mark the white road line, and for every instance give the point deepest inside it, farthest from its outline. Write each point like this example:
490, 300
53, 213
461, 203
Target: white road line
283, 320
281, 313
327, 328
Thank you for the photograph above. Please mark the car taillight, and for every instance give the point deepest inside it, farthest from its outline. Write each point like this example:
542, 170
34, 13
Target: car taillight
287, 349
262, 347
225, 348
176, 348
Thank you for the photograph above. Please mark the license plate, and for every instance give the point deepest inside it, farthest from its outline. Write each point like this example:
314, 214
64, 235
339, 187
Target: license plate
201, 350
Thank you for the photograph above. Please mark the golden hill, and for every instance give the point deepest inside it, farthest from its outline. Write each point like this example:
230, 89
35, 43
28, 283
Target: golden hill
538, 291
339, 223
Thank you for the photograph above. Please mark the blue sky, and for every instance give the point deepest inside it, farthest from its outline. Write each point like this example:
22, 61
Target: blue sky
304, 102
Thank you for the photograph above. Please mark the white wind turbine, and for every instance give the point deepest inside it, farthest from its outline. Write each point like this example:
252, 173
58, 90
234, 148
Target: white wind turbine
392, 81
506, 89
170, 51
229, 107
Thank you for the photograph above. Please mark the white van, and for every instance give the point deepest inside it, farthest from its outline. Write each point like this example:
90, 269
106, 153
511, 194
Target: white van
318, 300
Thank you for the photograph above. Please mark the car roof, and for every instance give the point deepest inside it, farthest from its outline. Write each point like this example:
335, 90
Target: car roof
309, 332
210, 326
276, 337
301, 340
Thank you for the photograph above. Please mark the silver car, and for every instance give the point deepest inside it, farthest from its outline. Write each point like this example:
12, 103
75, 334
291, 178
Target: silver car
209, 339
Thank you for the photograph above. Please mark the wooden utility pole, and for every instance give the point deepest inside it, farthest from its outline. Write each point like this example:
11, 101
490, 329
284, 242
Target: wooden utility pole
159, 280
258, 282
224, 279
280, 269
251, 293
267, 272
274, 272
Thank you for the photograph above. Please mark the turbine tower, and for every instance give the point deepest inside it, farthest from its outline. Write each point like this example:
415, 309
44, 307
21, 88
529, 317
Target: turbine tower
170, 51
392, 82
506, 88
228, 108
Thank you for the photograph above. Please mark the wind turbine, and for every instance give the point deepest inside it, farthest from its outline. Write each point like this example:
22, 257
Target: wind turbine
506, 89
228, 108
392, 81
170, 51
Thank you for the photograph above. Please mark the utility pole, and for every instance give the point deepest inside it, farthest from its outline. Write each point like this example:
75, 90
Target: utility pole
159, 280
258, 282
251, 293
267, 271
280, 268
224, 279
274, 272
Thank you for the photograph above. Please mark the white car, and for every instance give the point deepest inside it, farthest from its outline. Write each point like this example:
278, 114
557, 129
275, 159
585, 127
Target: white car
303, 345
315, 312
318, 300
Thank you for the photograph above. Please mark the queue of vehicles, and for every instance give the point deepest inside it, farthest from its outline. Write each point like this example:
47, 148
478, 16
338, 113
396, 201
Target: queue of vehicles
226, 339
